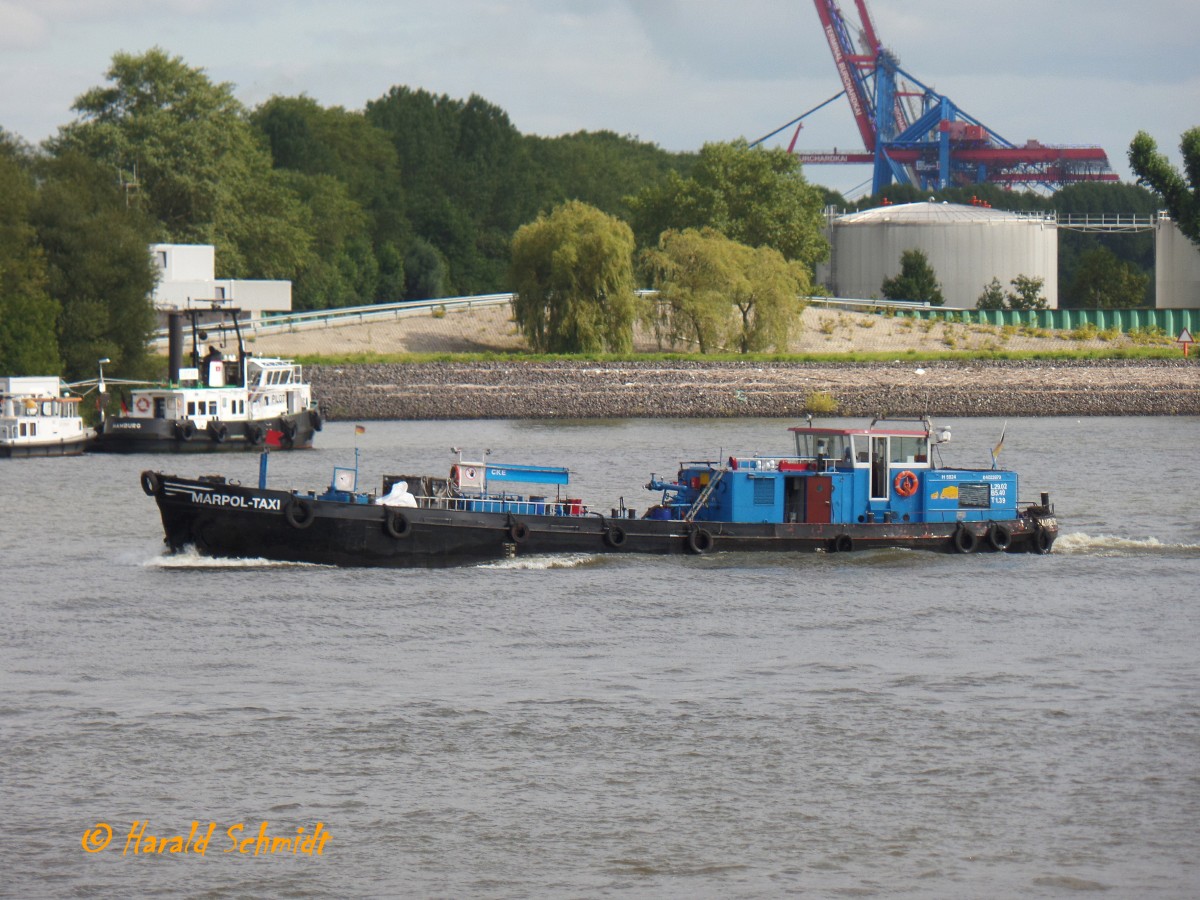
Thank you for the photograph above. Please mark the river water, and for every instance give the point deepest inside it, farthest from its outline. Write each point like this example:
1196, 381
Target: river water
890, 724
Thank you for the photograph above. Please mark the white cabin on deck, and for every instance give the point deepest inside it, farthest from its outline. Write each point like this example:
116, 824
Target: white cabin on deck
37, 414
274, 387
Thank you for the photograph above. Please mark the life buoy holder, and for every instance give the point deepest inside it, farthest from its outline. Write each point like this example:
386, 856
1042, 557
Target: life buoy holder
964, 539
151, 483
299, 513
142, 404
519, 532
699, 541
614, 536
906, 483
396, 524
999, 536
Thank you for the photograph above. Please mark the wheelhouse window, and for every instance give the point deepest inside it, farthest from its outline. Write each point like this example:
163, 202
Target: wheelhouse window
909, 451
827, 446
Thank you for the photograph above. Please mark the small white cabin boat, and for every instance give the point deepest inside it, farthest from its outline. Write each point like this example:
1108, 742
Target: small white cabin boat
39, 418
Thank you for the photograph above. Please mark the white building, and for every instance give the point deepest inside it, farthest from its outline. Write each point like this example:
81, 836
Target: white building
187, 279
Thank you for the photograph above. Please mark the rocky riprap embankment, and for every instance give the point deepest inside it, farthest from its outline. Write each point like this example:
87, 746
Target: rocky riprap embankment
582, 390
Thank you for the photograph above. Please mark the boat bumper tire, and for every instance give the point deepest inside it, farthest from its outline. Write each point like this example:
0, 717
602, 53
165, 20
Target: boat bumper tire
396, 524
1042, 540
519, 532
965, 540
999, 536
699, 541
299, 513
151, 483
614, 536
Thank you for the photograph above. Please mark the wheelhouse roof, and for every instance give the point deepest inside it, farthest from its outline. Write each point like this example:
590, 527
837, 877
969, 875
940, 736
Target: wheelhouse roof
869, 430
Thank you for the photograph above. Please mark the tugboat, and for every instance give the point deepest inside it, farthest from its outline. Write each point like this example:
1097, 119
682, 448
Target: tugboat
216, 404
842, 490
39, 417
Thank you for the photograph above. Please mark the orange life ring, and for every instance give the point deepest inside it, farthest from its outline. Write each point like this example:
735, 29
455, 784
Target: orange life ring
906, 484
142, 404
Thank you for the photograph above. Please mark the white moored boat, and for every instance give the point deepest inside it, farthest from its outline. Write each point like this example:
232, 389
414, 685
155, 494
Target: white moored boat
39, 418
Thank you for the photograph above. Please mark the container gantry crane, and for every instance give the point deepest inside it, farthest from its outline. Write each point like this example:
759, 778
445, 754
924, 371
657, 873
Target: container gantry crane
914, 135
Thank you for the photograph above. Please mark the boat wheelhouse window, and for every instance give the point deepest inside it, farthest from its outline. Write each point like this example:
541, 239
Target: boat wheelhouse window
862, 452
191, 407
212, 407
879, 468
829, 446
908, 450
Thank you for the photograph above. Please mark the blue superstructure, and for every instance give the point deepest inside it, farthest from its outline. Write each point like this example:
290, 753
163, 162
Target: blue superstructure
876, 474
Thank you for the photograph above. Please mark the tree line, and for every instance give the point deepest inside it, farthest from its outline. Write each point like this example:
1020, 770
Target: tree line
415, 196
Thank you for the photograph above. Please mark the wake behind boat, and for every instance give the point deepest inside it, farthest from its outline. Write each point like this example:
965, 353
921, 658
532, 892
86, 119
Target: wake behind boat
218, 403
842, 490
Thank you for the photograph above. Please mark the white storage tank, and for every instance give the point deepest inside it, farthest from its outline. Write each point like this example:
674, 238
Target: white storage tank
1177, 267
966, 245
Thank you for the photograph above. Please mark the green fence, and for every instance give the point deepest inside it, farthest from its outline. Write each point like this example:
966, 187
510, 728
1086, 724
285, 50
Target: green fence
1171, 321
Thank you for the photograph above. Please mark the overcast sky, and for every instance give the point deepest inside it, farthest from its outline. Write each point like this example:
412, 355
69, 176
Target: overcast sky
676, 73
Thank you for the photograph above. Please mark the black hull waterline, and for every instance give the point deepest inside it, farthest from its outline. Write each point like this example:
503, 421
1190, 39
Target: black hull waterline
31, 451
232, 521
130, 434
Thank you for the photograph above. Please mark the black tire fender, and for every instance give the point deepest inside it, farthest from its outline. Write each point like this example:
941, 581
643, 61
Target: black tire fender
299, 513
186, 430
218, 432
614, 536
519, 532
699, 541
396, 524
999, 536
151, 483
965, 539
255, 434
315, 418
1042, 540
843, 543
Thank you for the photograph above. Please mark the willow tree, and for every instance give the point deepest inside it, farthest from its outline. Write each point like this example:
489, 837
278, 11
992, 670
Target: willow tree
572, 271
716, 292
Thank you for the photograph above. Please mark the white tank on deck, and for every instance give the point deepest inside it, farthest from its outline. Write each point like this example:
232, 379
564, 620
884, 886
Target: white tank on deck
967, 246
1177, 267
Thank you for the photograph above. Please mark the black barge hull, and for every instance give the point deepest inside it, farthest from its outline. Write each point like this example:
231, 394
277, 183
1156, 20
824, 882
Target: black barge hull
233, 521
